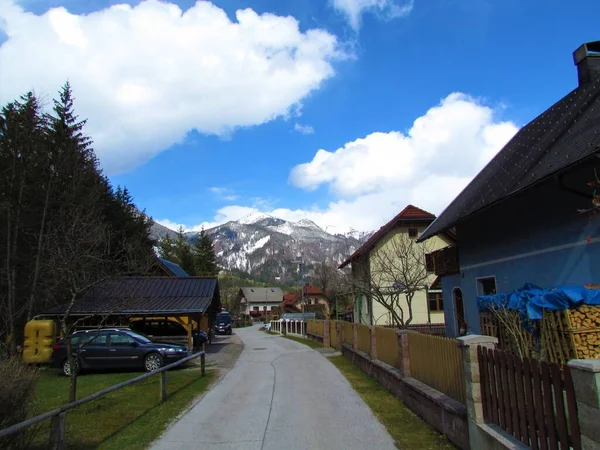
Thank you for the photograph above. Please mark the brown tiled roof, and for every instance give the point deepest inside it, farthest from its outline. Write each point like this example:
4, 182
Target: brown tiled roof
409, 214
151, 295
293, 297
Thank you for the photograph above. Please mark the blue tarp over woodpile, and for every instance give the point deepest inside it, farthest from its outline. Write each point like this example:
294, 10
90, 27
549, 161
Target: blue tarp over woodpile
531, 300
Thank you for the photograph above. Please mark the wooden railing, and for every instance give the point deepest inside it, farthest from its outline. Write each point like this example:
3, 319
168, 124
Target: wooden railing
532, 400
437, 362
387, 345
57, 428
363, 336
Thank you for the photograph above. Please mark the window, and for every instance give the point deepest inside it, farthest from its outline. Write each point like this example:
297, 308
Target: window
436, 302
429, 263
486, 286
121, 339
255, 308
89, 339
413, 232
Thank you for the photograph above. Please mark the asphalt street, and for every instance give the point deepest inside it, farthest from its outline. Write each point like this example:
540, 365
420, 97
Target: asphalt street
279, 395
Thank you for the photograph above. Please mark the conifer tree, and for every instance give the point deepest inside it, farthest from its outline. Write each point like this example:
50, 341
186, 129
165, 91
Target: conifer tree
204, 253
183, 253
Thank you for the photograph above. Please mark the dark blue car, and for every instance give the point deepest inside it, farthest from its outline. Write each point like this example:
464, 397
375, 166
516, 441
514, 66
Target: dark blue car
108, 348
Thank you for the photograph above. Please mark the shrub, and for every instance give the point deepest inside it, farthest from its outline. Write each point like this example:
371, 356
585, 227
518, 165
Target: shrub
17, 386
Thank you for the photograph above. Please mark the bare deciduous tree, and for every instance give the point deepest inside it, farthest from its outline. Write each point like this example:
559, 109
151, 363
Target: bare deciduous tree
394, 274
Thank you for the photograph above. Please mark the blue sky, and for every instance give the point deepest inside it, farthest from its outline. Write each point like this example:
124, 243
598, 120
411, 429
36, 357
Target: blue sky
341, 111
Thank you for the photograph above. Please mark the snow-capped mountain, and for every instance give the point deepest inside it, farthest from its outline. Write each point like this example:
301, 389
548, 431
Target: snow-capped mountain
266, 246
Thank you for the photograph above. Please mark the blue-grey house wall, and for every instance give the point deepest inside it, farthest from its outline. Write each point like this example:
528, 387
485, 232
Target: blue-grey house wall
535, 237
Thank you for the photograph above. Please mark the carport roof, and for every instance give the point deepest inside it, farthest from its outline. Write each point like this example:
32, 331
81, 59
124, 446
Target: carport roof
147, 295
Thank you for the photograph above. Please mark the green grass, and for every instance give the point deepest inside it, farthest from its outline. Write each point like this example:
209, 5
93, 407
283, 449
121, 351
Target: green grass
311, 344
407, 429
129, 418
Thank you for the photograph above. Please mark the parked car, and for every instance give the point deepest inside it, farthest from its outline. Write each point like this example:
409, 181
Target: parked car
169, 331
115, 348
223, 323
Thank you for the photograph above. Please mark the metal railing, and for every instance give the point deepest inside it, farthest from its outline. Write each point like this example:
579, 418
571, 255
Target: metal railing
57, 427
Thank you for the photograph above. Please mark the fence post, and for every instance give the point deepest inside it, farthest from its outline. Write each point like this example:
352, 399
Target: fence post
203, 364
586, 382
57, 432
403, 361
373, 346
355, 337
163, 386
339, 328
469, 346
326, 334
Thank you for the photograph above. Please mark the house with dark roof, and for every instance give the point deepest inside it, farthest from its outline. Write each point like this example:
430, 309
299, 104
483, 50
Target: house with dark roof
531, 214
386, 247
168, 268
190, 302
259, 301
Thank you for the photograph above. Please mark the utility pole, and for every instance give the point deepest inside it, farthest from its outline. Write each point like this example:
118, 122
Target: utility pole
300, 264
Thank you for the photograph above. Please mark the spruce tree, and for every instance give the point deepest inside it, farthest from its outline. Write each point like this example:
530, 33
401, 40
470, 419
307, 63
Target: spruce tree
166, 248
183, 253
204, 253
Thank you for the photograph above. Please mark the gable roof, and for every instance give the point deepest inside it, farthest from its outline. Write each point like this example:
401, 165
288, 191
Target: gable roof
563, 135
171, 268
409, 214
291, 298
257, 294
147, 295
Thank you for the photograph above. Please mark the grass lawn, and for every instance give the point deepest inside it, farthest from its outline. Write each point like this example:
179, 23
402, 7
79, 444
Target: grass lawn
311, 344
407, 429
130, 418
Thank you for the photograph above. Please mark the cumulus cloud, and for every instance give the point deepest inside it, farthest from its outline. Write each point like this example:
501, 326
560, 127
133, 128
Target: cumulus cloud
385, 9
224, 193
374, 177
304, 129
146, 75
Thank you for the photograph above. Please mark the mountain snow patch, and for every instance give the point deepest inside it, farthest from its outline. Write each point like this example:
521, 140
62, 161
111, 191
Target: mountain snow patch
259, 244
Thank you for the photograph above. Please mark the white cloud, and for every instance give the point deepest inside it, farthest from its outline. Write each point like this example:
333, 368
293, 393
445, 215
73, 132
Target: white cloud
224, 193
144, 76
375, 177
385, 9
170, 224
304, 129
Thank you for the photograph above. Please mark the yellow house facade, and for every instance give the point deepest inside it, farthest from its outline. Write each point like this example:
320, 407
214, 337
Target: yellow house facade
389, 264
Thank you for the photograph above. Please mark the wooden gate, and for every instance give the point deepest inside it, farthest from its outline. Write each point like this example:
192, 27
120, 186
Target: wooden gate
532, 400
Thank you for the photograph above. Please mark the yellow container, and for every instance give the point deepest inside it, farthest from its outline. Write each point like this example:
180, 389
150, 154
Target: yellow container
39, 340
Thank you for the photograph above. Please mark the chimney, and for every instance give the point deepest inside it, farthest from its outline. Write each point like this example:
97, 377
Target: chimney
587, 60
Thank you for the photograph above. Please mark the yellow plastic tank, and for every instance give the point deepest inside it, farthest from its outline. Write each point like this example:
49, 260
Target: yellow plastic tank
39, 340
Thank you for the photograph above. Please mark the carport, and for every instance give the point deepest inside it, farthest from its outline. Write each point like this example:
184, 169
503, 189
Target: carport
192, 302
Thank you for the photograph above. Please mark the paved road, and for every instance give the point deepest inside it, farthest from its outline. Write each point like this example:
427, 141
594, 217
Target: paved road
279, 395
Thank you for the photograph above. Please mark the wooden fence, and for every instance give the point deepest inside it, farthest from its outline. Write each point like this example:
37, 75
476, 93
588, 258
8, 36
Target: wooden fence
387, 345
57, 427
363, 336
437, 362
348, 333
333, 334
532, 400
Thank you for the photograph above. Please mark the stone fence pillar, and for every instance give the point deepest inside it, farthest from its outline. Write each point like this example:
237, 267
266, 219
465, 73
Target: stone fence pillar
477, 436
373, 346
586, 381
403, 361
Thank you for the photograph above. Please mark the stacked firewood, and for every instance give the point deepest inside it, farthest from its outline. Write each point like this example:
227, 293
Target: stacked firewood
585, 326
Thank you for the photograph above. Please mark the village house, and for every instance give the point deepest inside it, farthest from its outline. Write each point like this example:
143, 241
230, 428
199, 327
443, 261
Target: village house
259, 301
402, 230
531, 215
315, 300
